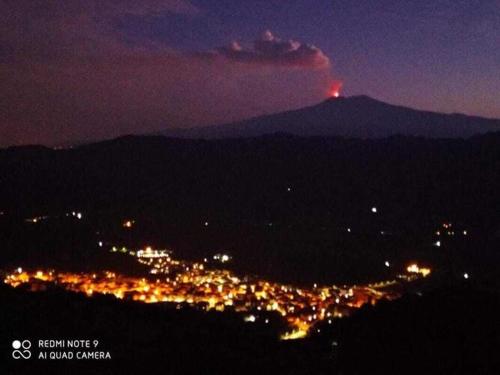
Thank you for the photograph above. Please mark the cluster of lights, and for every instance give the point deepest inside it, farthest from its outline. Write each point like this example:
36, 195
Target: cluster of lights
76, 214
223, 258
36, 219
191, 283
414, 268
122, 250
148, 252
158, 261
447, 229
128, 223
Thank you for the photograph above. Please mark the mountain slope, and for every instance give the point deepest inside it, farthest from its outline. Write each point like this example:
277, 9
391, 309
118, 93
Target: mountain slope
247, 179
356, 116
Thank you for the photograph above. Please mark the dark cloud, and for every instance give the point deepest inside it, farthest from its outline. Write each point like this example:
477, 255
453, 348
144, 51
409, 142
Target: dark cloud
58, 29
270, 50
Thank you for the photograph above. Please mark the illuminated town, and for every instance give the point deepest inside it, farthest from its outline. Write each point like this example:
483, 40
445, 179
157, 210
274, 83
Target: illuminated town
198, 285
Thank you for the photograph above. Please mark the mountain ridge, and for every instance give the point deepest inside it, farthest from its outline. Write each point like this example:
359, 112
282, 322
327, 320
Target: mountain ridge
357, 116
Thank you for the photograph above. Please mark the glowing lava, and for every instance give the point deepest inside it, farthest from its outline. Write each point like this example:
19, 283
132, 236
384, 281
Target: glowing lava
334, 91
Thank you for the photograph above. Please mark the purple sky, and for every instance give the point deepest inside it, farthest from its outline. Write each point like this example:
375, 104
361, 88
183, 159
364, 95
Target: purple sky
90, 69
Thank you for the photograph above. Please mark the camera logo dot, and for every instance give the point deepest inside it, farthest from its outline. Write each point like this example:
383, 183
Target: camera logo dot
21, 349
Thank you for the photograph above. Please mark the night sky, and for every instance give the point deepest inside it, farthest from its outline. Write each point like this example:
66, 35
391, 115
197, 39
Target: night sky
74, 70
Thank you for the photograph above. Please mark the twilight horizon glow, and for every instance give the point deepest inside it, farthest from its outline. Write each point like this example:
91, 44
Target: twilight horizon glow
79, 70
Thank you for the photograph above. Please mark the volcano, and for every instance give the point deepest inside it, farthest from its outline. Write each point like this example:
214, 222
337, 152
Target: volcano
354, 117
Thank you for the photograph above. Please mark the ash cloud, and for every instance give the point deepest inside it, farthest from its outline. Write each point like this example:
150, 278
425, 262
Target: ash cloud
273, 51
